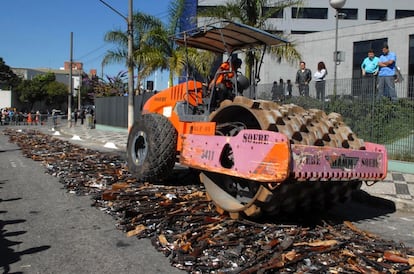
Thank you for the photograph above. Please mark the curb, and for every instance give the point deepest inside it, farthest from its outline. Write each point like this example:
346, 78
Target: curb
383, 200
400, 204
399, 166
110, 145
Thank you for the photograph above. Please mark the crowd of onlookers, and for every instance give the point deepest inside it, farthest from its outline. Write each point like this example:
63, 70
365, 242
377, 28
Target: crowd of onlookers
11, 116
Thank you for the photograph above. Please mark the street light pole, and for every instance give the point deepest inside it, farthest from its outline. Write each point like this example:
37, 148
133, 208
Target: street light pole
130, 61
336, 51
336, 4
79, 87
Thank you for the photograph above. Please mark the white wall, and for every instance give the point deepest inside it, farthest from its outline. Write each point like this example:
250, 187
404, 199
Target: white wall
5, 98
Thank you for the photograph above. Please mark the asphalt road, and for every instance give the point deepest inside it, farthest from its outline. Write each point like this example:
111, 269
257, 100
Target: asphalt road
45, 229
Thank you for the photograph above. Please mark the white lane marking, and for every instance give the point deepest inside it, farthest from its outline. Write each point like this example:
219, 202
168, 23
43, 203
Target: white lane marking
406, 219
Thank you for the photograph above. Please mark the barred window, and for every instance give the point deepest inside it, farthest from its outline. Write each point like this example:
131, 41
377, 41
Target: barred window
310, 13
376, 14
349, 14
403, 13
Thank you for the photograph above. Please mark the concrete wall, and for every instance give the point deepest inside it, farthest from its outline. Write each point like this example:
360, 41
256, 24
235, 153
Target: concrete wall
5, 98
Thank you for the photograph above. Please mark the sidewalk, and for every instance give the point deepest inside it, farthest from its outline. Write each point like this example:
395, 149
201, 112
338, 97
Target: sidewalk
398, 186
109, 137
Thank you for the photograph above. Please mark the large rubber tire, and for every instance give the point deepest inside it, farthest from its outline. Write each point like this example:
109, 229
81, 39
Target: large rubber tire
152, 148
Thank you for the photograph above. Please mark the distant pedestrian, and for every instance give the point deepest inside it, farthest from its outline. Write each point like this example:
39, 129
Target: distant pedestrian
54, 117
82, 116
76, 115
386, 75
37, 118
29, 118
288, 88
303, 77
319, 76
274, 91
281, 89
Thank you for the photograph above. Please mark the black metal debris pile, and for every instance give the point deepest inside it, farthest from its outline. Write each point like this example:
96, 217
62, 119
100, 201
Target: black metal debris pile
183, 225
81, 170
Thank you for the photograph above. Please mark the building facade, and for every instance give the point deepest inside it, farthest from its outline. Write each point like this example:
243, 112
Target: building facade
362, 25
318, 15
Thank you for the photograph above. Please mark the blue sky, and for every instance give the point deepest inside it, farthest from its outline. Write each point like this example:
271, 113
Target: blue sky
36, 34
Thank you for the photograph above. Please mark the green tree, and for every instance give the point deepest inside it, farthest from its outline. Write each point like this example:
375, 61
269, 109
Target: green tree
256, 13
56, 94
42, 87
153, 47
162, 52
7, 77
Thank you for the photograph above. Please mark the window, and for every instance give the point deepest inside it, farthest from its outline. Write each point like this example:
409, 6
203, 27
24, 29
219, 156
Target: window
204, 9
376, 14
275, 14
349, 14
310, 13
403, 13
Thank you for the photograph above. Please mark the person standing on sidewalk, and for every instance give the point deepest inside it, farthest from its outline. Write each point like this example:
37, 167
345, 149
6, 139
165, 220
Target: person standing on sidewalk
82, 115
303, 77
369, 68
76, 116
386, 75
320, 75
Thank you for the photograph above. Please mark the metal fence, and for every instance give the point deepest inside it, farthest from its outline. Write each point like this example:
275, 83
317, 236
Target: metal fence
371, 117
113, 111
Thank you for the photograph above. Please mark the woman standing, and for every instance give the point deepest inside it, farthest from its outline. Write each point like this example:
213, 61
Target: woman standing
320, 81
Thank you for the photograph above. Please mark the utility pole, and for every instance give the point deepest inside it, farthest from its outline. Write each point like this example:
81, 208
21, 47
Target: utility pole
79, 87
130, 60
131, 92
70, 82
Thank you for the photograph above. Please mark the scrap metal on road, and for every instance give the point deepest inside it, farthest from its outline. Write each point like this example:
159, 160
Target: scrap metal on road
59, 230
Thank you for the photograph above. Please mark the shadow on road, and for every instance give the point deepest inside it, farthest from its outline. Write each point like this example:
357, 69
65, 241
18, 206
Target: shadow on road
8, 255
14, 149
362, 206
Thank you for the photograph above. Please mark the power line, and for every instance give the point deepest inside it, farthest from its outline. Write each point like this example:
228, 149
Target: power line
93, 51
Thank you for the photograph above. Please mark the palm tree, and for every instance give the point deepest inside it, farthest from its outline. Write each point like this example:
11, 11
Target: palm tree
163, 53
143, 24
256, 13
153, 47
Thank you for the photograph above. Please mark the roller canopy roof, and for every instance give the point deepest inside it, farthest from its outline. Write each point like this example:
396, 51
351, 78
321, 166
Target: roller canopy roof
227, 36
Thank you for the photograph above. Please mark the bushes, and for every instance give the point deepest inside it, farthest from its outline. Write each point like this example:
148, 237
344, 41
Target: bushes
374, 120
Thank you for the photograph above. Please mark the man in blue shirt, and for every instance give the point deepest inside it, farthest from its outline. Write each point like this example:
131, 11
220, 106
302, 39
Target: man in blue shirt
386, 75
369, 68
